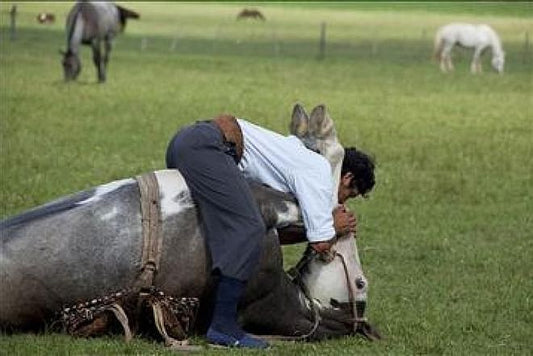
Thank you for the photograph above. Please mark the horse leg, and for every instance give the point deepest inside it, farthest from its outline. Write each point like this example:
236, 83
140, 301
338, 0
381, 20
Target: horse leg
443, 63
97, 59
475, 67
107, 53
446, 59
449, 63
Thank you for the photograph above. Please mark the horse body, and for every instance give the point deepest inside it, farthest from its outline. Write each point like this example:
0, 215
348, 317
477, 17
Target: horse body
93, 23
90, 244
478, 37
250, 13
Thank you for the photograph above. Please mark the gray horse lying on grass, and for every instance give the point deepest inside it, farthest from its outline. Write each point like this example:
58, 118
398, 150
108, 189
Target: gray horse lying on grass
79, 248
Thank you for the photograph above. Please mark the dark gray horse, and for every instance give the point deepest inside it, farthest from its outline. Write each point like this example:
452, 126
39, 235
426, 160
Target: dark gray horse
93, 23
89, 244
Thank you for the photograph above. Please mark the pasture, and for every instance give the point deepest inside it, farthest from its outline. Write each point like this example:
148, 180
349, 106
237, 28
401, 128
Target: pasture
446, 236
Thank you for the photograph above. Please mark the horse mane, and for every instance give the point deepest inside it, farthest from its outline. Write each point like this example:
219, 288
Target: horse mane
43, 211
72, 27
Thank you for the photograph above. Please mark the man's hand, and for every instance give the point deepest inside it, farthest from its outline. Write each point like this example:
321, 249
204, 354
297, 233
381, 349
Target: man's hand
344, 220
322, 246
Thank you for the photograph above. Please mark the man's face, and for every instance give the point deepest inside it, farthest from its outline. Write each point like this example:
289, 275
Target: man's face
347, 189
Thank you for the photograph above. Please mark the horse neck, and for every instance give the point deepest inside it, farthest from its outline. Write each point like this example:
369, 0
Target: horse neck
333, 151
497, 50
75, 30
495, 44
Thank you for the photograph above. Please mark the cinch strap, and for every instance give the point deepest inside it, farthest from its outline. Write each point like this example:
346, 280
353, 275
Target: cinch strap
151, 229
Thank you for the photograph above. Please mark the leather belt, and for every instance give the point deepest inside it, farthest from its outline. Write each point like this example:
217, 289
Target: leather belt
232, 133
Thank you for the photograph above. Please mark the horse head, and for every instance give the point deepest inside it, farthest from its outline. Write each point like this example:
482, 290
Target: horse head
335, 279
71, 65
498, 61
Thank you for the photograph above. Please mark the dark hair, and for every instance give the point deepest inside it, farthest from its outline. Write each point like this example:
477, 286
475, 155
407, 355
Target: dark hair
361, 166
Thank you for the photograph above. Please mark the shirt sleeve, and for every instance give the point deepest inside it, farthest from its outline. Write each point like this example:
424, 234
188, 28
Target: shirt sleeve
314, 189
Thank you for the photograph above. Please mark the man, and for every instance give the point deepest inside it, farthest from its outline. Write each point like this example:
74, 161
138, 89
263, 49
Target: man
357, 179
216, 158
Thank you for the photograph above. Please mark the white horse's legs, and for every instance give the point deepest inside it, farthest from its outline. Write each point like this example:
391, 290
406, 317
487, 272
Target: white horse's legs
442, 64
475, 66
446, 59
449, 63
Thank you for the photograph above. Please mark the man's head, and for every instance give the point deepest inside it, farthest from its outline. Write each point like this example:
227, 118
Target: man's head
357, 174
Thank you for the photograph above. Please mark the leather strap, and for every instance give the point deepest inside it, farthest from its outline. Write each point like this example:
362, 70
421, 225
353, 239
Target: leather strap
151, 229
231, 130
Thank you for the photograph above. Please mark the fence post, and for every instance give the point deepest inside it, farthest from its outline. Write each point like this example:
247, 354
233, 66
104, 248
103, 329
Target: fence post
322, 48
174, 44
526, 47
13, 16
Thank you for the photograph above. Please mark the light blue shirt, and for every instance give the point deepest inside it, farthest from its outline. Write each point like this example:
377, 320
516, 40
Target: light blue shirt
285, 164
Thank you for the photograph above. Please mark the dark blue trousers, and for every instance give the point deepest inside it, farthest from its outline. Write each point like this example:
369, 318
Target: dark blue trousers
232, 222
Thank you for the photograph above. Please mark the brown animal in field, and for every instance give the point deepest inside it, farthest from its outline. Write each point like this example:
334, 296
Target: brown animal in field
46, 17
250, 13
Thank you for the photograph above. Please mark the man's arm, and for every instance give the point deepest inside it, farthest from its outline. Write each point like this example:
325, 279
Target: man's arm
344, 222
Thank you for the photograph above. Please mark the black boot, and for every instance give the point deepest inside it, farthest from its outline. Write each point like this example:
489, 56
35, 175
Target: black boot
224, 329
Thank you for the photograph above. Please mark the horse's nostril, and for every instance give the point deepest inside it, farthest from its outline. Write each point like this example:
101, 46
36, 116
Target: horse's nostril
359, 283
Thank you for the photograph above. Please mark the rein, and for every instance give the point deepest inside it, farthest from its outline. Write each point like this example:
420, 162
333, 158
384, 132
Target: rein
351, 292
295, 274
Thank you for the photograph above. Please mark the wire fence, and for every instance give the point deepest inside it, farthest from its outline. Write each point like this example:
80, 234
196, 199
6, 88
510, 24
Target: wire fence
323, 41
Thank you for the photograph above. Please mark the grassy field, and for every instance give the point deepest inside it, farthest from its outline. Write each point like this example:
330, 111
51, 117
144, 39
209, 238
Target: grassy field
445, 238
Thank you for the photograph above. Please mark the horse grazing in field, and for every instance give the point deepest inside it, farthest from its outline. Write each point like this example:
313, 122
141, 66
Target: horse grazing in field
250, 13
478, 37
93, 23
86, 246
46, 17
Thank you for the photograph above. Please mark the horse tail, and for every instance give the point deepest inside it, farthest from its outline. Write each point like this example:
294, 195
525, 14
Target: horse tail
438, 45
125, 14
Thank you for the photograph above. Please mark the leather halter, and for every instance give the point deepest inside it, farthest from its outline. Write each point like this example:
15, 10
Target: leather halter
296, 276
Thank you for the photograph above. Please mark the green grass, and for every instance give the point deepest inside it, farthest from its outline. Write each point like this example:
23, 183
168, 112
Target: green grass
445, 238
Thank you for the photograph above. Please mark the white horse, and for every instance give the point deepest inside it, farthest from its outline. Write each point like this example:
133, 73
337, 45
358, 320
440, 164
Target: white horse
479, 37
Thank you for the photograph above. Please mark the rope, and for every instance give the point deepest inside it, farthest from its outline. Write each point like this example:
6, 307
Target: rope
123, 319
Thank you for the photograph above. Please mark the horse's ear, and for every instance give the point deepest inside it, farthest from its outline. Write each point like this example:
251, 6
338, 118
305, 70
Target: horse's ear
299, 121
320, 124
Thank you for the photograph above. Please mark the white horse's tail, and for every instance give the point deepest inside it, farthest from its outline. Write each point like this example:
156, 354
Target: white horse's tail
438, 45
